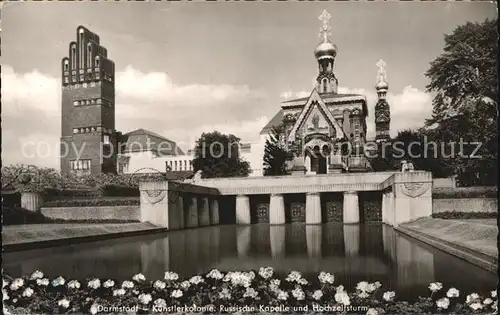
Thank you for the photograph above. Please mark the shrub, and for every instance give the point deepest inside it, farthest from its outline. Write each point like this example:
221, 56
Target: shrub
120, 191
465, 215
465, 192
96, 202
18, 215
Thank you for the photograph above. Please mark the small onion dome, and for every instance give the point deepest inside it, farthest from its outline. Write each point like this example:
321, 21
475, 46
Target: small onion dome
382, 85
325, 49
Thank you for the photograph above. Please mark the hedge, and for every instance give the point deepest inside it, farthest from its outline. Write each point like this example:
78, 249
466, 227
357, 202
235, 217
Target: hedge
18, 216
465, 215
96, 202
465, 192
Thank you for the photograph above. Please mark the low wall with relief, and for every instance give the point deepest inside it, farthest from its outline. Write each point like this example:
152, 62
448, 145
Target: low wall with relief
124, 213
465, 205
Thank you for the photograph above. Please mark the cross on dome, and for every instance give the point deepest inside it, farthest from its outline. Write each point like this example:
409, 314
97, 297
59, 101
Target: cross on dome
325, 28
382, 75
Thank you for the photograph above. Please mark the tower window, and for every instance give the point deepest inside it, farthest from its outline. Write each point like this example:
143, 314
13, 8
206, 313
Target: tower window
97, 61
66, 65
105, 139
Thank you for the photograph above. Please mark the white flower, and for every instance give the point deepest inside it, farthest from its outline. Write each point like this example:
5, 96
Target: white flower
118, 292
362, 286
302, 281
4, 283
298, 294
494, 294
5, 294
215, 274
145, 298
64, 303
389, 296
452, 292
363, 295
317, 295
94, 283
127, 284
94, 309
160, 303
108, 283
435, 286
443, 303
196, 280
266, 272
251, 293
340, 288
487, 301
274, 285
224, 294
342, 298
36, 275
282, 295
372, 311
476, 306
325, 277
240, 278
44, 282
473, 297
293, 276
58, 281
6, 311
16, 284
176, 294
73, 284
372, 287
377, 285
139, 277
171, 276
185, 285
28, 292
158, 284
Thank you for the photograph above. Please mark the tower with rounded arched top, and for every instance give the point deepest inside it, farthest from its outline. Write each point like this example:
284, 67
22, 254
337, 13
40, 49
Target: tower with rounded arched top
88, 135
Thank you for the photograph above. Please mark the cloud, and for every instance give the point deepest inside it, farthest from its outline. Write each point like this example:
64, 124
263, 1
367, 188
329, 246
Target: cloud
31, 104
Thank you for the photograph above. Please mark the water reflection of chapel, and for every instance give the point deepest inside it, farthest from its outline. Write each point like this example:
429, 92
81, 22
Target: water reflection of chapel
317, 127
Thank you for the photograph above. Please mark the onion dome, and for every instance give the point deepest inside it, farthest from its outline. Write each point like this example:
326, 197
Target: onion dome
325, 49
382, 85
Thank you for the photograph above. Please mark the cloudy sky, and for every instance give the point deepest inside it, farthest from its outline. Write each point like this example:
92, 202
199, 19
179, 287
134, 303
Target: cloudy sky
185, 68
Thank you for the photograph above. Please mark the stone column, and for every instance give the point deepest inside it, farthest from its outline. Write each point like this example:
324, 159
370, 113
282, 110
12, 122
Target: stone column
277, 209
307, 164
314, 238
214, 212
351, 207
204, 212
390, 208
313, 208
155, 207
277, 240
243, 210
384, 208
193, 213
31, 201
351, 239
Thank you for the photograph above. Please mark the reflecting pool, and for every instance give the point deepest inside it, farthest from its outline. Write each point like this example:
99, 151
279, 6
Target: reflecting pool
371, 252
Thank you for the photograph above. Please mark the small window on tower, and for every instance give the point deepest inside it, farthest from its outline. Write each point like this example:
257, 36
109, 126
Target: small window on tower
106, 139
66, 80
66, 65
97, 61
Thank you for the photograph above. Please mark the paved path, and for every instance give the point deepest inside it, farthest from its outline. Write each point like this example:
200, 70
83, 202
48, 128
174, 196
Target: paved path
20, 235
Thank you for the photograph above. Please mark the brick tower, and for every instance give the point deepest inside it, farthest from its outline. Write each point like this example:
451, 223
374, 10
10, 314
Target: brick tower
88, 136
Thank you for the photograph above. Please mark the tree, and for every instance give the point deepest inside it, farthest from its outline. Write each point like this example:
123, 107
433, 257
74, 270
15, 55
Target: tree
217, 155
465, 107
275, 153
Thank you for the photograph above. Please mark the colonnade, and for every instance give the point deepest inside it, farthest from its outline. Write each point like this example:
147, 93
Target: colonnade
313, 208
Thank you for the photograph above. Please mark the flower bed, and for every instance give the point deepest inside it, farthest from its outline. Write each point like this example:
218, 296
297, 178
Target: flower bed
448, 215
465, 192
214, 292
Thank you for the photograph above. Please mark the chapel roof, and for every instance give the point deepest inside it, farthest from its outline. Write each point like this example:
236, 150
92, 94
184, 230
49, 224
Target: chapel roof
275, 121
324, 96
